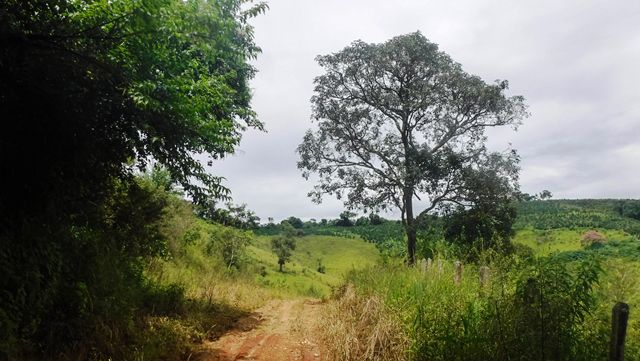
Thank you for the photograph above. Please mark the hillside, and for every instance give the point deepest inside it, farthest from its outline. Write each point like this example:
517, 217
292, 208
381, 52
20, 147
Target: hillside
557, 227
546, 226
612, 214
333, 255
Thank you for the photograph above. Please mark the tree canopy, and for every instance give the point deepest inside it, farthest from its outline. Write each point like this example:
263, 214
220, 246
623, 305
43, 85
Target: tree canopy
487, 219
91, 88
398, 121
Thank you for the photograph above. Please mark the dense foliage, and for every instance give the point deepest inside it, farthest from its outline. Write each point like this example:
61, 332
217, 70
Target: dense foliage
90, 91
488, 223
238, 216
523, 309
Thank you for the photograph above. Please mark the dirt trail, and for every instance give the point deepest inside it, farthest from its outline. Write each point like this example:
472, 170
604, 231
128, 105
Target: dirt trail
281, 330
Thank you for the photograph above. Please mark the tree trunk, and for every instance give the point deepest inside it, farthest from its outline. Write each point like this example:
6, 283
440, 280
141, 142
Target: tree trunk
280, 263
410, 227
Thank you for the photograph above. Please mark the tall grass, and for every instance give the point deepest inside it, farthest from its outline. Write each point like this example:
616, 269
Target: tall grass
200, 294
362, 327
539, 309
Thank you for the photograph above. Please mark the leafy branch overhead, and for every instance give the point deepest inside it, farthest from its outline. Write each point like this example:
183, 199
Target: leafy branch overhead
134, 80
401, 120
91, 92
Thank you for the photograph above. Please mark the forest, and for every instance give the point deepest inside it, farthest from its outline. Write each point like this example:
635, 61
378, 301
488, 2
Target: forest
119, 241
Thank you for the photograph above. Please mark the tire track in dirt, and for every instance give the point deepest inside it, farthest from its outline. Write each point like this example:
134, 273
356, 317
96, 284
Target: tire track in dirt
281, 330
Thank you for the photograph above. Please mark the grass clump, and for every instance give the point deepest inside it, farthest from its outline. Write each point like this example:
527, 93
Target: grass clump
318, 264
362, 327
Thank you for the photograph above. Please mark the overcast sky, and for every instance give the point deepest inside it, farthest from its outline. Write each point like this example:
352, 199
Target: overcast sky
576, 62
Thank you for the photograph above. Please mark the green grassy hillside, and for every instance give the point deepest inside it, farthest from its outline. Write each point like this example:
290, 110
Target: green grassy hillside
612, 214
337, 255
548, 241
557, 226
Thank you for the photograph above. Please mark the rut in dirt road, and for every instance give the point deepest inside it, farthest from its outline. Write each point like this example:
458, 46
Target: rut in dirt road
282, 330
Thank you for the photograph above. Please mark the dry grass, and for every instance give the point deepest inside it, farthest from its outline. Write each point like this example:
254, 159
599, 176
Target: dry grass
240, 292
356, 327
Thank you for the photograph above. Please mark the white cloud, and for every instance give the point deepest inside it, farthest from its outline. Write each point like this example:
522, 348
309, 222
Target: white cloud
574, 61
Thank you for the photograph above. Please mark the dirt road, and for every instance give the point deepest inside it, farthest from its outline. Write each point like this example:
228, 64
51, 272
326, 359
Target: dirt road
282, 330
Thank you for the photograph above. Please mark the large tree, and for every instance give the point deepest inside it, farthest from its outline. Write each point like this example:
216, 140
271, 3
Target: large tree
399, 121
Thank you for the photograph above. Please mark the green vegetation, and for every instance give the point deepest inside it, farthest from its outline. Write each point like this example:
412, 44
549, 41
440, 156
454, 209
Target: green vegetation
560, 228
544, 226
337, 255
109, 108
549, 298
93, 92
525, 309
581, 213
548, 241
284, 244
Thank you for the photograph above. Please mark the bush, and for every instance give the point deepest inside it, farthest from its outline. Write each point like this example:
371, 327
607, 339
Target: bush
80, 282
591, 237
230, 244
321, 268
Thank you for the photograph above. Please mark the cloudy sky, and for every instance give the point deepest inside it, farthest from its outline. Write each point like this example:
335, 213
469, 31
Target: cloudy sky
576, 62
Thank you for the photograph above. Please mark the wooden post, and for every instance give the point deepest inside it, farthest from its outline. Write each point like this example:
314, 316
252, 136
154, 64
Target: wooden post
619, 318
484, 275
457, 277
423, 266
440, 266
429, 263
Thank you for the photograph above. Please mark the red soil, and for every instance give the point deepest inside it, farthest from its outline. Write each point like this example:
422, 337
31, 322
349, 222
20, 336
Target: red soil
282, 330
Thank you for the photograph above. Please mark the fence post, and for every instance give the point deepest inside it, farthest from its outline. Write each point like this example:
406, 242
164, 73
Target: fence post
484, 275
619, 318
423, 266
457, 277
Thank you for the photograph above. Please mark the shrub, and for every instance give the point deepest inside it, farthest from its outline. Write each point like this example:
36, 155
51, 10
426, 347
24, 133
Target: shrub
591, 238
321, 268
284, 245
